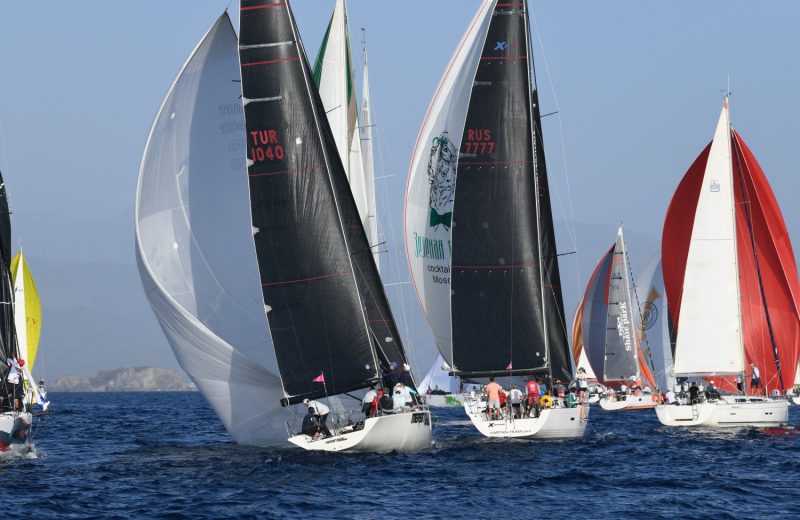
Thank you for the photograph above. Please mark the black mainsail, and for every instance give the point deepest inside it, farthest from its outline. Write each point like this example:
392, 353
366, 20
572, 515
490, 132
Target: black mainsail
325, 304
7, 330
506, 303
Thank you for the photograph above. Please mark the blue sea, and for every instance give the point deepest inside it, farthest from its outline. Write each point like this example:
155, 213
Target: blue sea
166, 455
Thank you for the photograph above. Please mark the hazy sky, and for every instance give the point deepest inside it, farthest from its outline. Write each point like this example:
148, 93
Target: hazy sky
638, 87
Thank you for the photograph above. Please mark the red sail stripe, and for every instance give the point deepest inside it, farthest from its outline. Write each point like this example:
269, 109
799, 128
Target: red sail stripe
261, 6
310, 278
270, 62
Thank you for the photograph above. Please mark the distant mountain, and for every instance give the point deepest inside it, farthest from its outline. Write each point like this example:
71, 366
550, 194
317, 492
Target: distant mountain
139, 379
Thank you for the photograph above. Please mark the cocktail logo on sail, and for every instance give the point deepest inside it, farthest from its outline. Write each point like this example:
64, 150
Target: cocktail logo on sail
623, 325
442, 177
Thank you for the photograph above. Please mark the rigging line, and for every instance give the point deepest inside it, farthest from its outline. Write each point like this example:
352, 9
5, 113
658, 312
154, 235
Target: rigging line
574, 233
394, 264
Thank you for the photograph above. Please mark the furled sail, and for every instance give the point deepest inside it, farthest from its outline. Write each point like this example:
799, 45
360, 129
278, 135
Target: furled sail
333, 74
483, 257
195, 248
712, 316
323, 297
27, 310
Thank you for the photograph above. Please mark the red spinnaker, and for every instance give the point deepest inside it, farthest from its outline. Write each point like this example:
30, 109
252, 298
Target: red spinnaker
775, 262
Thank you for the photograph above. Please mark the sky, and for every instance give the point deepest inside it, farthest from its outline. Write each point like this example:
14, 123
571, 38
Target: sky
637, 86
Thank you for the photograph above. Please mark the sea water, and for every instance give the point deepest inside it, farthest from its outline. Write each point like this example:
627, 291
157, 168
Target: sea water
166, 455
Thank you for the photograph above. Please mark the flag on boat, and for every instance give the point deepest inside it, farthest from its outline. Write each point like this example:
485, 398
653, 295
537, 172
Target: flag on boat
508, 367
319, 379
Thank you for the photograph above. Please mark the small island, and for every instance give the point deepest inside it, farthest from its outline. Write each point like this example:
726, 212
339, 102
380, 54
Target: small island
137, 379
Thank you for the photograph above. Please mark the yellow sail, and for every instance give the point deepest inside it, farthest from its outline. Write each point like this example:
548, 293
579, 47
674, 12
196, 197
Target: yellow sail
31, 305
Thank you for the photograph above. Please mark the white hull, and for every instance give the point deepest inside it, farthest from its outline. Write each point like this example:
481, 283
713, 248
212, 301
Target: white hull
409, 431
445, 401
629, 402
593, 398
15, 428
552, 423
730, 411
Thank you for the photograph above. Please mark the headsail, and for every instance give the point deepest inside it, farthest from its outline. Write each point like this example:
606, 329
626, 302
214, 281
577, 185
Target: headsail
322, 293
27, 310
333, 74
483, 257
747, 191
195, 248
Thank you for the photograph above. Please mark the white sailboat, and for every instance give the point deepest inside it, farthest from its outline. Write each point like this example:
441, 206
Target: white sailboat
729, 193
483, 256
251, 249
624, 360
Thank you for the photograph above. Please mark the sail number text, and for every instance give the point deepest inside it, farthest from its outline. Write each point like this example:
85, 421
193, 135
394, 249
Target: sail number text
479, 141
265, 146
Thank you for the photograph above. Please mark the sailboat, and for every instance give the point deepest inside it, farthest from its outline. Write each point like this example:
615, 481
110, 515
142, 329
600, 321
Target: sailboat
728, 308
17, 347
623, 359
251, 250
335, 80
483, 256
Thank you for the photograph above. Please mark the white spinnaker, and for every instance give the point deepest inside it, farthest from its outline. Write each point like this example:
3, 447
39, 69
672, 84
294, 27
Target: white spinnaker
709, 333
368, 164
337, 91
653, 304
428, 247
194, 245
20, 317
